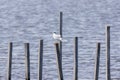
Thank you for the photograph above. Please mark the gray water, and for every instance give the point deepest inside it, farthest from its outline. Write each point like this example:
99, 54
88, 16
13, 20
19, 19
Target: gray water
24, 21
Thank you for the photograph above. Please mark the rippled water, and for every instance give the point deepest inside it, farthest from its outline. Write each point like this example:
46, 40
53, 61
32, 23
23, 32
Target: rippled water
24, 21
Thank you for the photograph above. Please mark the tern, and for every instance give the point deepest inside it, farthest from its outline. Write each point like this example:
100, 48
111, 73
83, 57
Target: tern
58, 37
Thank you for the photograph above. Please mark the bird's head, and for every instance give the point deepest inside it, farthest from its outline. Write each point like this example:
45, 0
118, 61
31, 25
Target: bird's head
54, 32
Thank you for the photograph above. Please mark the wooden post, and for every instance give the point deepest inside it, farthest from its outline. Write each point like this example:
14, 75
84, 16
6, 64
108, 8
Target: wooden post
27, 61
108, 75
58, 57
40, 60
76, 59
61, 22
9, 61
97, 60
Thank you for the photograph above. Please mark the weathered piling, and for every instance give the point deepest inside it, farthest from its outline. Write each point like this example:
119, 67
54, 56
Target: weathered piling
76, 59
97, 61
61, 22
58, 58
40, 60
108, 75
27, 61
10, 45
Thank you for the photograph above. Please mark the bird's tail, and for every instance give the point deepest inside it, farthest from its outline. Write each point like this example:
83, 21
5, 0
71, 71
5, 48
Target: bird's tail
63, 40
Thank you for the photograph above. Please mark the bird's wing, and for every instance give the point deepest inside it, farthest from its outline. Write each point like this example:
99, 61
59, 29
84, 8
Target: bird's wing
56, 36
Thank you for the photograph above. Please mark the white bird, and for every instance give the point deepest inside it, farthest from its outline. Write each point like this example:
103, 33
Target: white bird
58, 37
